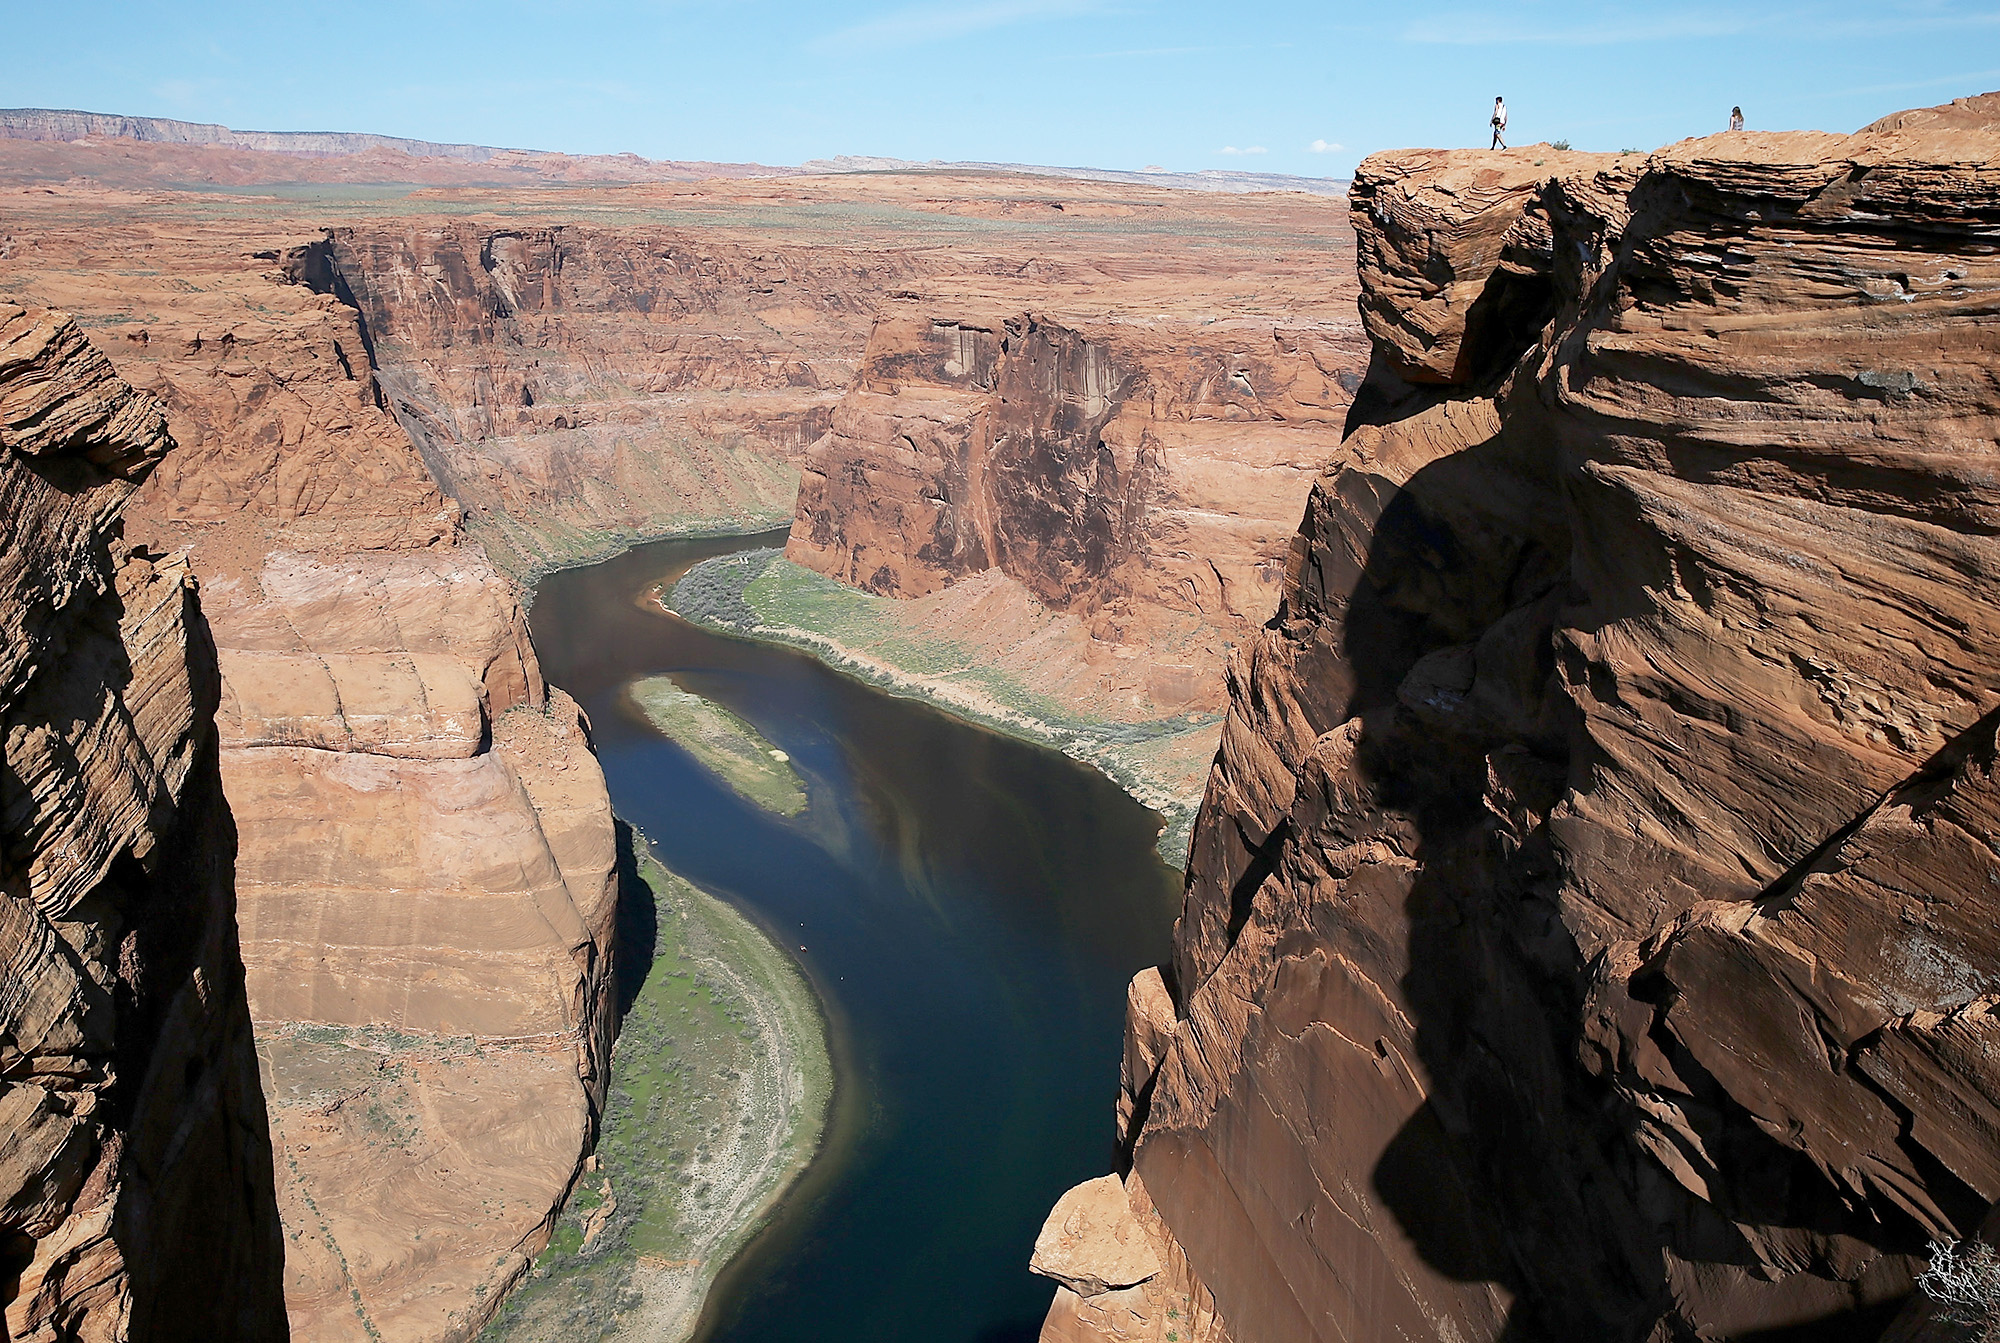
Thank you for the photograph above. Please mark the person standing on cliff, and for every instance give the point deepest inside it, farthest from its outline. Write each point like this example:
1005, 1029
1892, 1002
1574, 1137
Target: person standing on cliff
1735, 118
1499, 125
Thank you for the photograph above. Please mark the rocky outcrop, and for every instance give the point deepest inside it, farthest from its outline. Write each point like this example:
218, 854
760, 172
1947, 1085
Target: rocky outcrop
425, 877
1119, 1271
1137, 476
1588, 932
1453, 262
136, 1196
1092, 1243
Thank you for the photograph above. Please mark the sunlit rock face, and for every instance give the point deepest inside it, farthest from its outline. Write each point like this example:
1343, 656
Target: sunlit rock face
1140, 476
423, 845
1590, 928
572, 386
136, 1196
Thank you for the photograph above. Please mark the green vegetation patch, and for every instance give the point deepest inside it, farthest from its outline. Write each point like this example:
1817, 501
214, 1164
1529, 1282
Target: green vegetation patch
761, 594
726, 745
720, 1083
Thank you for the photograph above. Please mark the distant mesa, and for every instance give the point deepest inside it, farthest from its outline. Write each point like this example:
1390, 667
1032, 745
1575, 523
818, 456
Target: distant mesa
1208, 179
68, 126
41, 123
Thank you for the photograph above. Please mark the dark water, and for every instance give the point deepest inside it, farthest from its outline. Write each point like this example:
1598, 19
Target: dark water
972, 909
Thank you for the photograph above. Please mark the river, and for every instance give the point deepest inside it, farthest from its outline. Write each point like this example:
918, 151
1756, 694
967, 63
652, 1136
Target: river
970, 910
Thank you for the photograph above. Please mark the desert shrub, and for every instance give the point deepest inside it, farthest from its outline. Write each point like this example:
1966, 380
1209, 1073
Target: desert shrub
1964, 1280
711, 593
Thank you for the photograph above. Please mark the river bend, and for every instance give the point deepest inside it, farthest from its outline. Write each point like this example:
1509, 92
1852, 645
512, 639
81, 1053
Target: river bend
969, 909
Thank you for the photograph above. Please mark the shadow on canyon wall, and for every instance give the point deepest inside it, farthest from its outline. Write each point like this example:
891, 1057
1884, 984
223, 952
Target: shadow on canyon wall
1520, 1159
637, 930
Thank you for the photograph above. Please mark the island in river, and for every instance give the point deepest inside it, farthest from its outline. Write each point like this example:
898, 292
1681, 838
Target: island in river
724, 743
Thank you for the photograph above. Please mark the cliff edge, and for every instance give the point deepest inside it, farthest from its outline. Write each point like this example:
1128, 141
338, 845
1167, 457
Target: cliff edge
424, 874
1589, 931
136, 1195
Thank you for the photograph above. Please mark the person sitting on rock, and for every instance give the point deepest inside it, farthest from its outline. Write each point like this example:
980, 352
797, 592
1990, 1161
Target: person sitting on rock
1735, 118
1499, 125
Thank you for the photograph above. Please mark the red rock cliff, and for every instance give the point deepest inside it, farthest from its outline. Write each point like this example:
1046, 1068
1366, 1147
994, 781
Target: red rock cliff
1137, 475
1590, 930
136, 1196
424, 877
574, 387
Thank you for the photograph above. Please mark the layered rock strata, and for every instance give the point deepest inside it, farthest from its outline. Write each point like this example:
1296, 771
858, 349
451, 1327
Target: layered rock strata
425, 875
1589, 930
176, 152
1137, 476
425, 844
136, 1195
575, 387
1108, 480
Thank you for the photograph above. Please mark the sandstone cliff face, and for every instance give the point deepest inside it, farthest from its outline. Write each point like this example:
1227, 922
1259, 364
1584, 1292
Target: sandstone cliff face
574, 386
426, 851
1589, 932
1138, 476
1118, 466
136, 1195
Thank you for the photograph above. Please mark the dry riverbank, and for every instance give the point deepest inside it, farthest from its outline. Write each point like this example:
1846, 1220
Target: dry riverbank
720, 1086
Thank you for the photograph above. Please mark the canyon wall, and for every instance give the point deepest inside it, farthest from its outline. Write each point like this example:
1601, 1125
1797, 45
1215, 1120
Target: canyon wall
425, 868
136, 1196
1589, 930
386, 426
575, 388
1139, 475
1093, 425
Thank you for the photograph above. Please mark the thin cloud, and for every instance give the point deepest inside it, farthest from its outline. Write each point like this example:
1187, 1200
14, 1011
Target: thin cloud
1886, 25
923, 24
1139, 53
180, 92
1234, 152
1324, 147
1482, 30
1965, 79
1471, 28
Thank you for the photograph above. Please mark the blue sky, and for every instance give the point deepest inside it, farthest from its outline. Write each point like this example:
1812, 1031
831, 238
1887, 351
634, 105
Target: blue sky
1281, 87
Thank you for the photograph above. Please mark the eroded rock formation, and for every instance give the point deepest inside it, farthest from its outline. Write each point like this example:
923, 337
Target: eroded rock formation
425, 840
574, 387
1138, 475
1589, 928
136, 1196
425, 871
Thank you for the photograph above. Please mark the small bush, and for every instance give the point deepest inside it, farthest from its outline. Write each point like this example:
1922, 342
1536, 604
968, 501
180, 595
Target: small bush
1964, 1279
1559, 144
